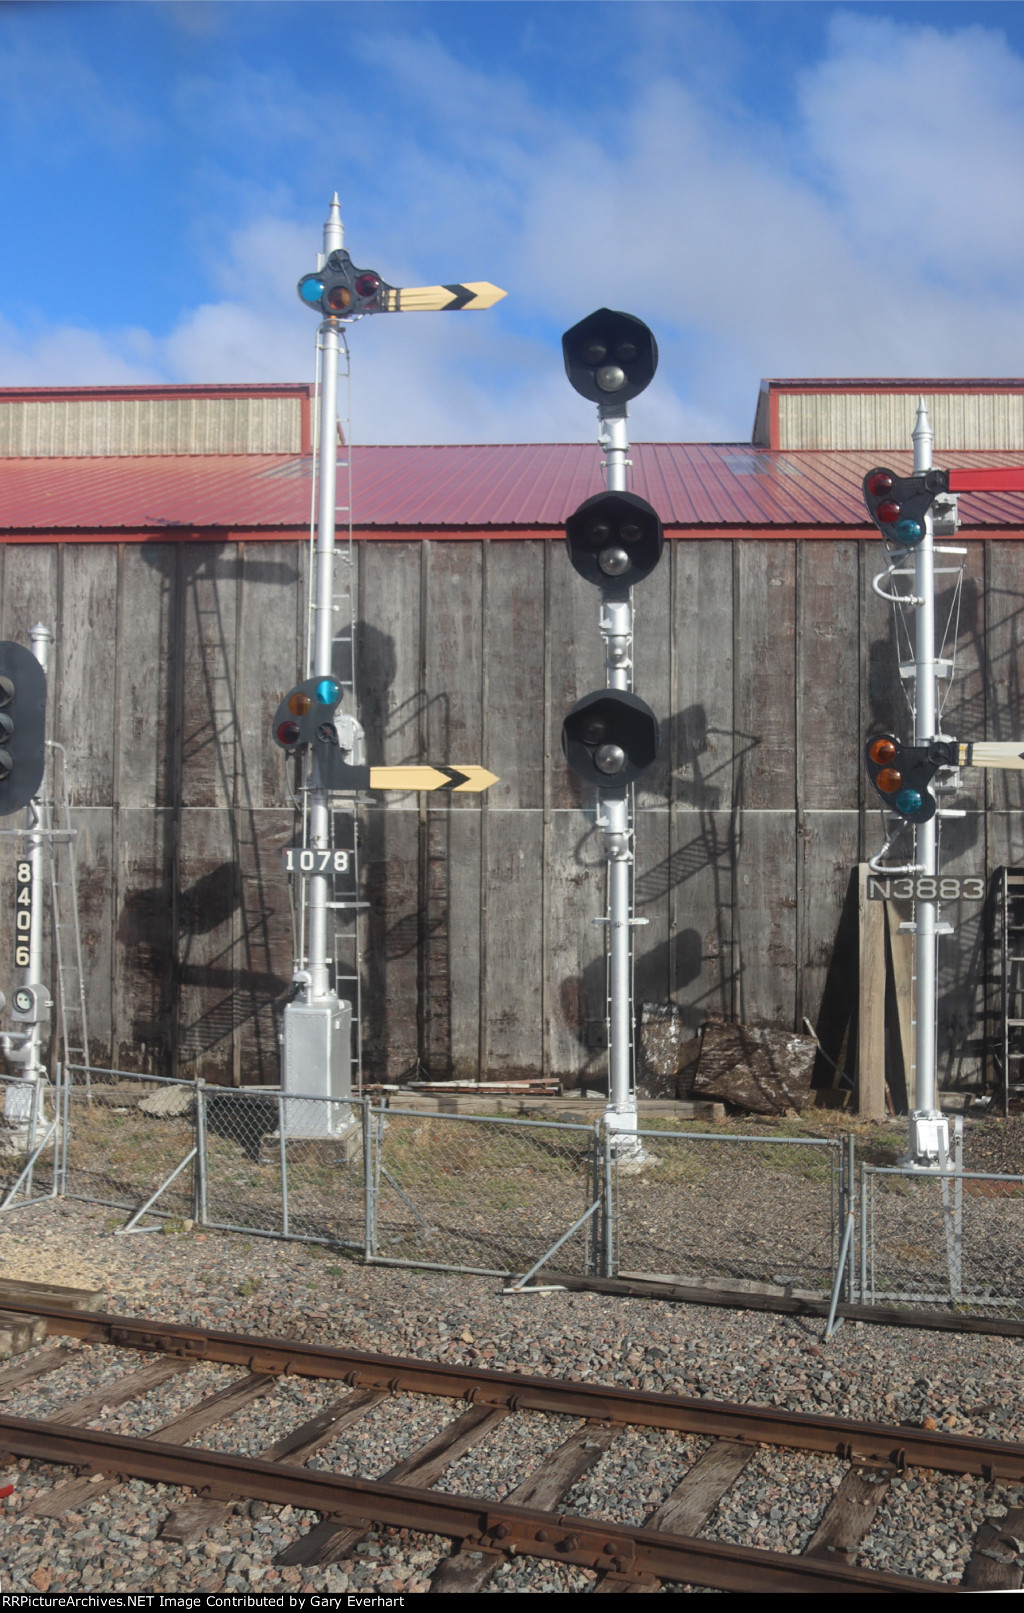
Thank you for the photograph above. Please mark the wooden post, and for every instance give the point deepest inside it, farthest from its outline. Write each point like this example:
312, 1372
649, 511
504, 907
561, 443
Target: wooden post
870, 1001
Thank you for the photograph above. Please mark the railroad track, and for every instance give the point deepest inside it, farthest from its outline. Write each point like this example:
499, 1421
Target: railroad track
532, 1521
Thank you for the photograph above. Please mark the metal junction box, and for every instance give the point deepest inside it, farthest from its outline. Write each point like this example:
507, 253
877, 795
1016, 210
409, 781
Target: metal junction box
316, 1064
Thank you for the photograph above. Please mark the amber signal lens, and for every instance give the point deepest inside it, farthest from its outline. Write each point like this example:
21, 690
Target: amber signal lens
889, 780
883, 751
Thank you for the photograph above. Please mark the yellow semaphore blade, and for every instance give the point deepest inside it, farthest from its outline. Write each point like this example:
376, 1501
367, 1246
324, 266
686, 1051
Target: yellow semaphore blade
471, 779
434, 299
993, 753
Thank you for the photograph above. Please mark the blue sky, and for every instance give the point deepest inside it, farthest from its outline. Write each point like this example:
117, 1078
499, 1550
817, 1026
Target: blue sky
778, 189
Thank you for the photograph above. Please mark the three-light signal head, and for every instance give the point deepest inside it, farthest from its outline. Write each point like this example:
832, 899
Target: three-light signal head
898, 505
902, 774
22, 726
339, 290
306, 714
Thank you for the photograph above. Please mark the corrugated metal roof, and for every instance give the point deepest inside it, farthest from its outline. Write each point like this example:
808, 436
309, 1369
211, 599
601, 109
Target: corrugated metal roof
719, 486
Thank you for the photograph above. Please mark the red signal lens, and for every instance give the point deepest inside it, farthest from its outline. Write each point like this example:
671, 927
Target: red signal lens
288, 733
883, 750
887, 512
880, 483
368, 284
889, 780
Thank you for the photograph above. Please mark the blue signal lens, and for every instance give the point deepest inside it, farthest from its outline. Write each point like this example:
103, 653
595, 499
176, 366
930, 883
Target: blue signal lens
908, 531
909, 802
311, 289
328, 692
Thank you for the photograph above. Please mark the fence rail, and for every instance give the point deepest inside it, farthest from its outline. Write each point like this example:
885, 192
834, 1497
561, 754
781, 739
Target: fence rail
517, 1197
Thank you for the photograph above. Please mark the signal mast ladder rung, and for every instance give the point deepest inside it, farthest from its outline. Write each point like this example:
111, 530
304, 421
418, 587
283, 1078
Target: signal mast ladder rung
1011, 975
60, 839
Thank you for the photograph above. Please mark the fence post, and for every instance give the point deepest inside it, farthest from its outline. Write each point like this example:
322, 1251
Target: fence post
283, 1144
370, 1209
199, 1206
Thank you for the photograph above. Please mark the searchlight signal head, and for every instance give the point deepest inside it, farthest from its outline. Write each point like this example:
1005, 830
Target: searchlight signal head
614, 540
610, 357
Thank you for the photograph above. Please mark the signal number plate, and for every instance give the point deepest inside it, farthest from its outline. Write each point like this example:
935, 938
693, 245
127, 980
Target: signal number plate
925, 888
304, 860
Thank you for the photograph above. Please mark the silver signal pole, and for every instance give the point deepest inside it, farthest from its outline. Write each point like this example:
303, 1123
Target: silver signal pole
316, 1039
617, 822
323, 613
929, 1132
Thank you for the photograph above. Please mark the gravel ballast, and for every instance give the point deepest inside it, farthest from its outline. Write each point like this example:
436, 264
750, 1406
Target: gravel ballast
968, 1383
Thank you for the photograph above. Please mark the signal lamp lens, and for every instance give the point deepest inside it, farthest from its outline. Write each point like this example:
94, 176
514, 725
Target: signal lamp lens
888, 512
614, 562
630, 533
880, 483
5, 763
610, 758
598, 534
626, 352
594, 352
6, 691
299, 703
6, 727
328, 692
311, 290
889, 780
339, 298
909, 801
367, 284
593, 730
882, 751
288, 733
610, 378
909, 531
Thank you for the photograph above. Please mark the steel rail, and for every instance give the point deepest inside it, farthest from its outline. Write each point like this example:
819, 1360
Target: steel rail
875, 1444
491, 1525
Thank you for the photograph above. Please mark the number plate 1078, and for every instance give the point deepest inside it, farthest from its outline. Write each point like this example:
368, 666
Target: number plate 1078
925, 888
304, 860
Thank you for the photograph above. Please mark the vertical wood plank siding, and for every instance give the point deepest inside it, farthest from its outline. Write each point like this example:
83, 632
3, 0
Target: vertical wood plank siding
766, 661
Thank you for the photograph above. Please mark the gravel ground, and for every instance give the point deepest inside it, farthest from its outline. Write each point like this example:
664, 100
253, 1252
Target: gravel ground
968, 1383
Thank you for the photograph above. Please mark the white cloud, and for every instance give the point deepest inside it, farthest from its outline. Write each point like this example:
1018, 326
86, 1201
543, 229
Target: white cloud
877, 239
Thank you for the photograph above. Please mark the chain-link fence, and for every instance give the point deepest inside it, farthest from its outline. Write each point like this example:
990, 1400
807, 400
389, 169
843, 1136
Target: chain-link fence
129, 1142
30, 1129
955, 1240
283, 1166
475, 1193
716, 1210
517, 1197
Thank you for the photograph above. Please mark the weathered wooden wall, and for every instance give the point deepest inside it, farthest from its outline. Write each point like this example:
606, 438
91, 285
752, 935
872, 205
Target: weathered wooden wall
767, 662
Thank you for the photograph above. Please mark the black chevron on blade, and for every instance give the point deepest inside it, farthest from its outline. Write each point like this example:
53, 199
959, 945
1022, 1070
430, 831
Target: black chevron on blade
461, 294
453, 776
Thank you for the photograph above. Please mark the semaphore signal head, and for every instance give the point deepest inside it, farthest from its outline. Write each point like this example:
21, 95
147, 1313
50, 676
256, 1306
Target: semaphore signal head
341, 291
898, 504
902, 774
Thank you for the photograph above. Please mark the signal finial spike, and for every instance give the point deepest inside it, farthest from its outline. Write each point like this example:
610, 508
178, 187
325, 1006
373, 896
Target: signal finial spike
922, 437
334, 229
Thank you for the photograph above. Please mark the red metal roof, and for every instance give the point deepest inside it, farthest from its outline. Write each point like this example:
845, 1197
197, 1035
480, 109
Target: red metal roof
696, 487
